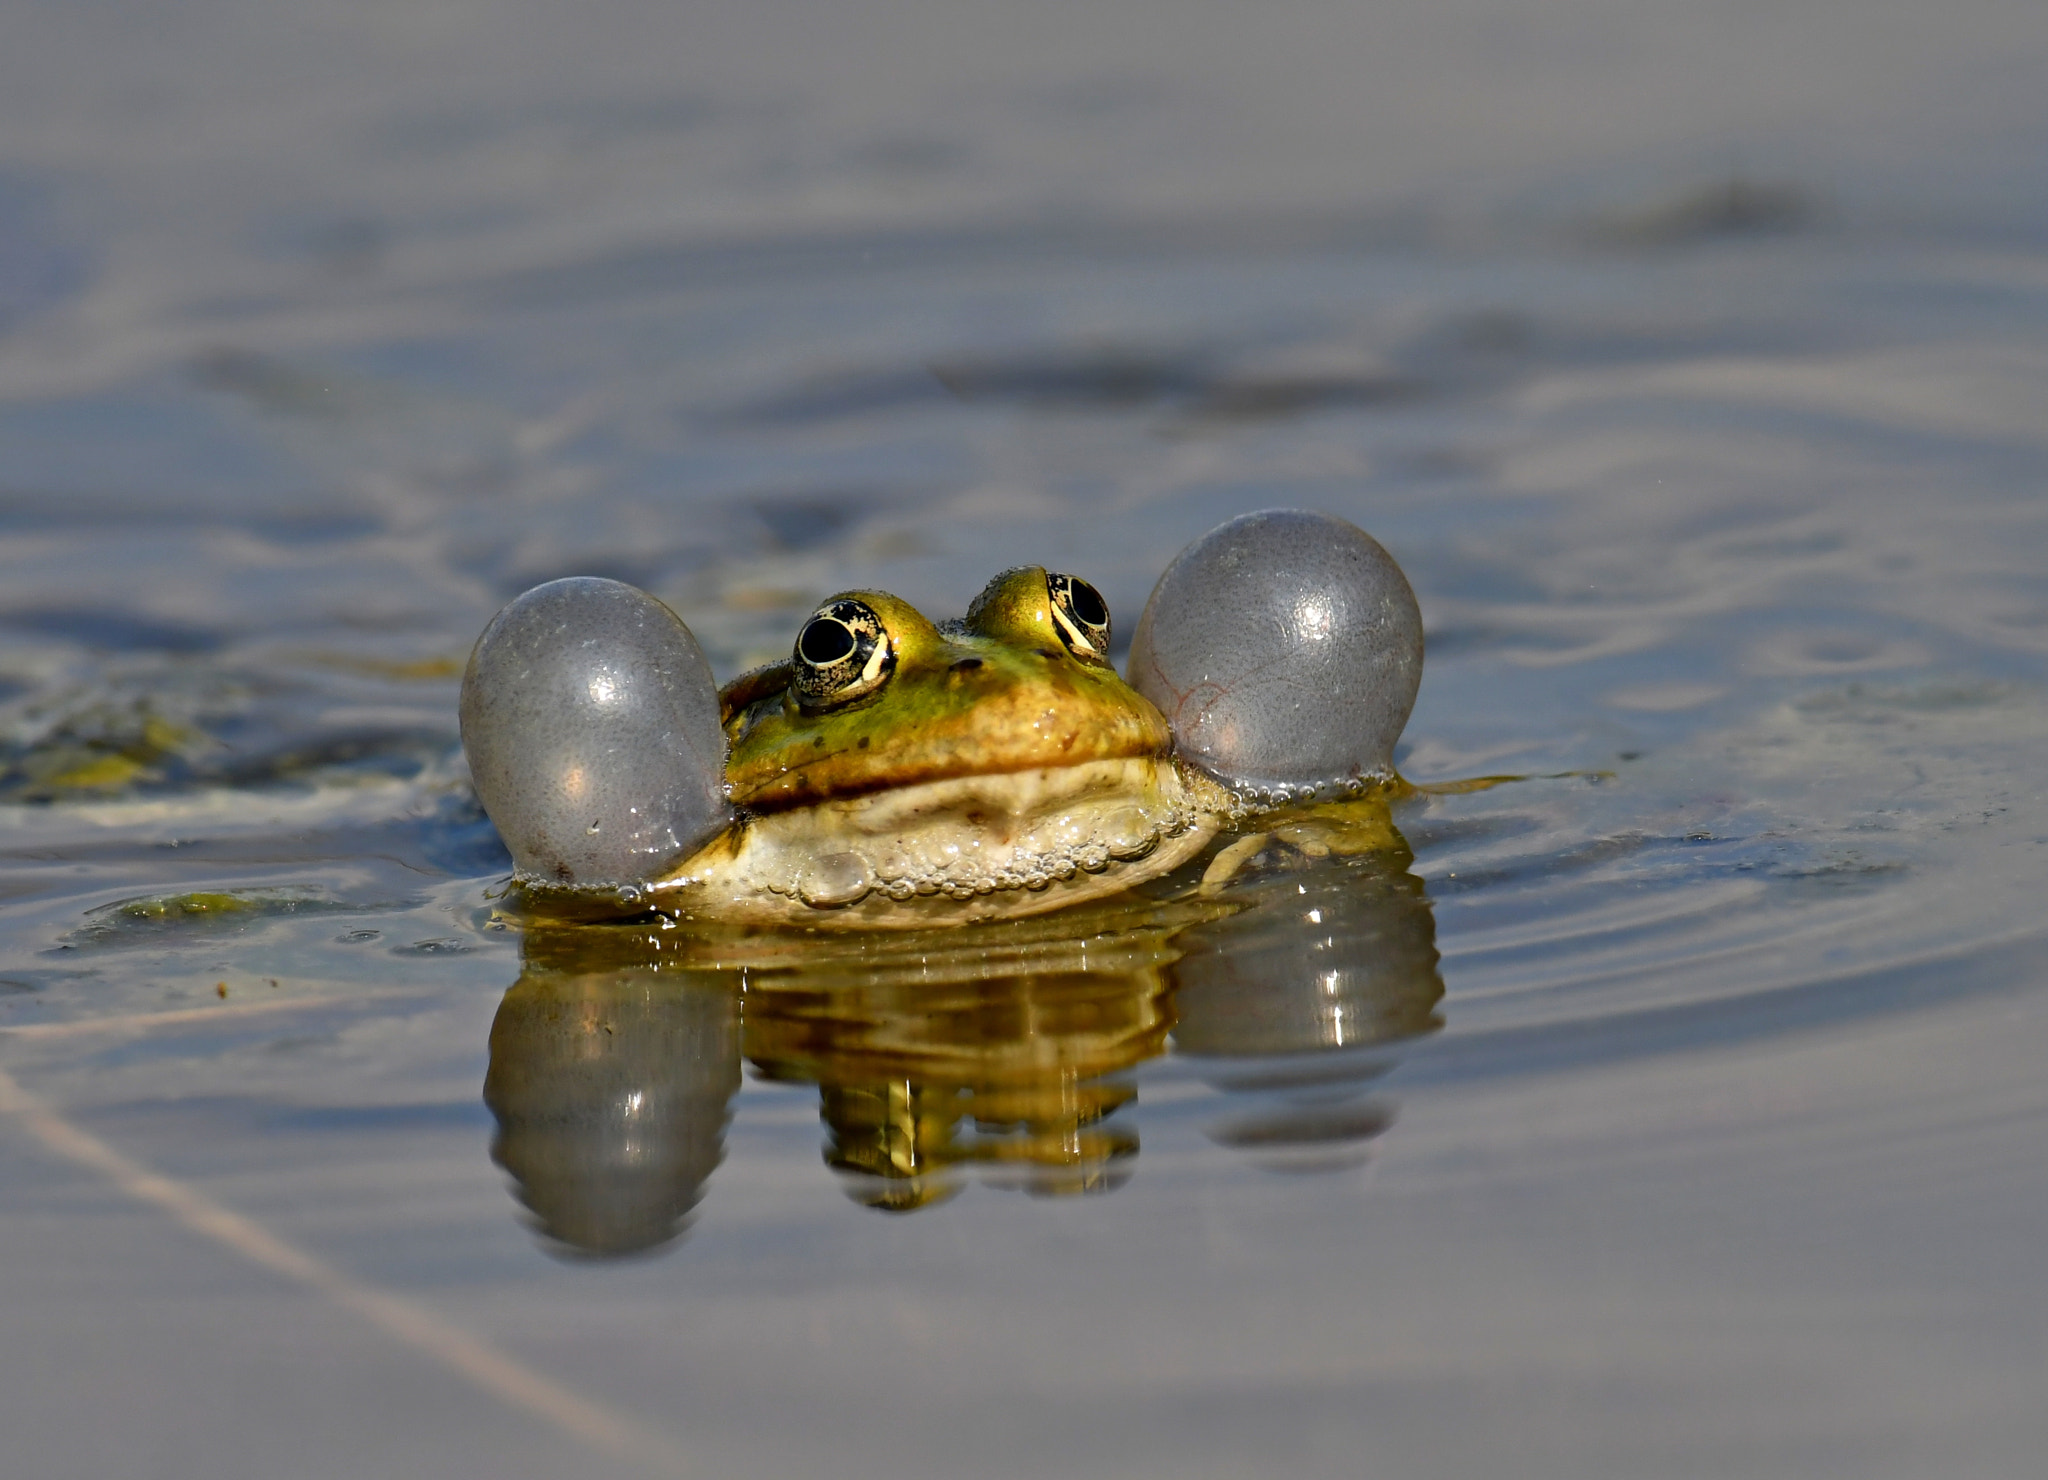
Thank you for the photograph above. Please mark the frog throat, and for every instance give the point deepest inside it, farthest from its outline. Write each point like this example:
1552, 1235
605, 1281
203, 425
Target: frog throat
962, 848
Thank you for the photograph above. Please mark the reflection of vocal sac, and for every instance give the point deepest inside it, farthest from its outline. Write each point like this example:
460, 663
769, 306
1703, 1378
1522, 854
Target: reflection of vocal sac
612, 1092
1289, 1006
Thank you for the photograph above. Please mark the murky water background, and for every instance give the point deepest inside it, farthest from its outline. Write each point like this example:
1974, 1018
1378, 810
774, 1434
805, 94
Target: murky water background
1682, 1116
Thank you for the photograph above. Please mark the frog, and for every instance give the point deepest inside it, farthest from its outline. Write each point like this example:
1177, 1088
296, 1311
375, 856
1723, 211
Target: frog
894, 772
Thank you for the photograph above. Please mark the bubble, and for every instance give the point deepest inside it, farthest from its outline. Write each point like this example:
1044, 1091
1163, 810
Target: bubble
591, 722
834, 880
1285, 649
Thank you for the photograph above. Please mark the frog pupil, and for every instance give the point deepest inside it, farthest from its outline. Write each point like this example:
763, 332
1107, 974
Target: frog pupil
825, 640
1080, 614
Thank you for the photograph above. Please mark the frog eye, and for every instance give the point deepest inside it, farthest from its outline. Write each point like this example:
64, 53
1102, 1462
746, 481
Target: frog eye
1081, 614
843, 654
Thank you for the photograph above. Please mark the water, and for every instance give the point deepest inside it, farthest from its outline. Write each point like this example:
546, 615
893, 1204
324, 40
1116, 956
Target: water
1674, 1112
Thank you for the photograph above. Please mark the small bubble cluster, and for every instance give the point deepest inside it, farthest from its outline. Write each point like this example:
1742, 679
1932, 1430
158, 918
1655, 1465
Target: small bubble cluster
1248, 802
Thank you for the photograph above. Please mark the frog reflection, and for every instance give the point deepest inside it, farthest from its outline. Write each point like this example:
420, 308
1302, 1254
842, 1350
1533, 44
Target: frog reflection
1289, 1004
611, 1078
1000, 1054
1012, 1073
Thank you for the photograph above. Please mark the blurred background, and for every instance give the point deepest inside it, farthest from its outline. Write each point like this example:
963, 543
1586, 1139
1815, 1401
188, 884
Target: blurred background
1674, 1112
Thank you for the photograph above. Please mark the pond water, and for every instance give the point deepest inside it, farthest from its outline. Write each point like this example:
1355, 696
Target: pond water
1674, 1110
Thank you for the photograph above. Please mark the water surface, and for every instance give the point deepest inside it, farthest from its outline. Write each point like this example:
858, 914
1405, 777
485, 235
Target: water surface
1676, 1111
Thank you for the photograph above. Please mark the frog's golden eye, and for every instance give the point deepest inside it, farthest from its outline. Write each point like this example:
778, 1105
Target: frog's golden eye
843, 654
1082, 616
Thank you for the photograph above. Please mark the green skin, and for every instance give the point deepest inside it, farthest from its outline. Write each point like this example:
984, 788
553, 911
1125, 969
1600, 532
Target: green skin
997, 693
1000, 769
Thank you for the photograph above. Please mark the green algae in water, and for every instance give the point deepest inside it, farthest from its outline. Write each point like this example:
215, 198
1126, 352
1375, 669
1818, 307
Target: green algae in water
157, 918
150, 725
102, 750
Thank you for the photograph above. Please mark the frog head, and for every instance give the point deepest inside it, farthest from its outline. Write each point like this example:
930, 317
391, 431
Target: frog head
890, 755
876, 696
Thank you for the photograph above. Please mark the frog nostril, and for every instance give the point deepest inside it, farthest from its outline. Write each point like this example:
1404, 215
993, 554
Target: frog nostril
1048, 653
967, 665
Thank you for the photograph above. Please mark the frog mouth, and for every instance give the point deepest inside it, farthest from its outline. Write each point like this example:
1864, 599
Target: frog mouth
1012, 843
